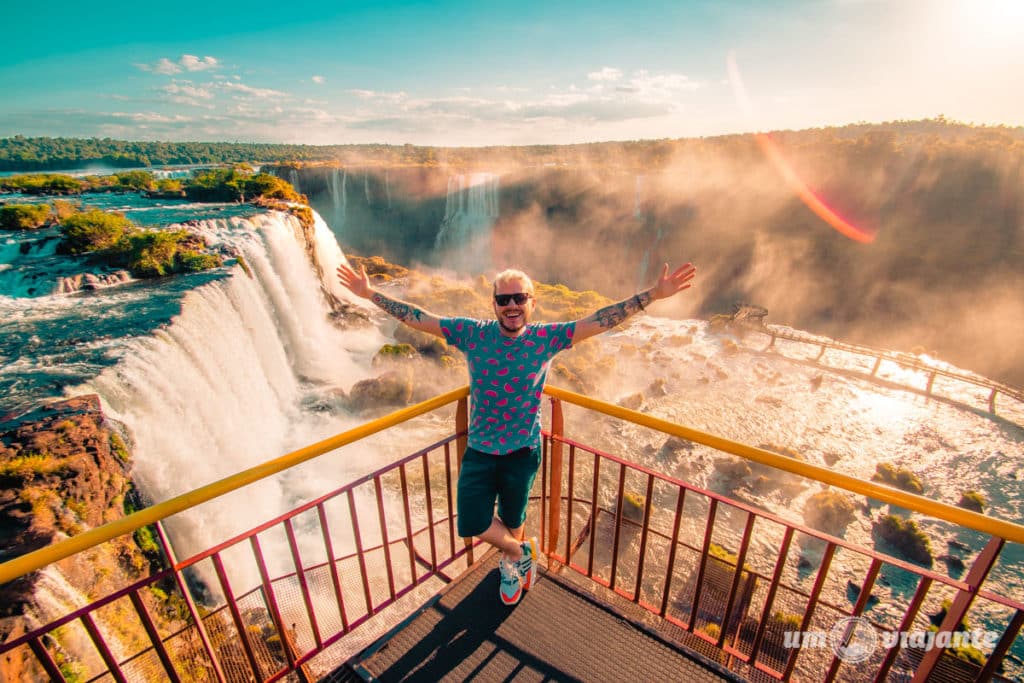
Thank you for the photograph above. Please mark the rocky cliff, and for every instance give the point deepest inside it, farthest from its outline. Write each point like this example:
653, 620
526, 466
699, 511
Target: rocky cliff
64, 468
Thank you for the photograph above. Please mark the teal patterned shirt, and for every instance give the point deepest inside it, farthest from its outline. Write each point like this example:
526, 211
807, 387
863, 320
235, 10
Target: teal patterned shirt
506, 376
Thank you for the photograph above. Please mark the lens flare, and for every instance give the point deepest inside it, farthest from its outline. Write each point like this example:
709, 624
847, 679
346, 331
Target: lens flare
774, 154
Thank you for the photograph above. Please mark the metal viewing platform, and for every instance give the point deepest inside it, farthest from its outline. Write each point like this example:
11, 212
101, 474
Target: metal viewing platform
645, 576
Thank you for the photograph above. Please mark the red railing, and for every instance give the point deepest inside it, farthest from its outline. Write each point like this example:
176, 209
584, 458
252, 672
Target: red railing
673, 550
385, 539
295, 596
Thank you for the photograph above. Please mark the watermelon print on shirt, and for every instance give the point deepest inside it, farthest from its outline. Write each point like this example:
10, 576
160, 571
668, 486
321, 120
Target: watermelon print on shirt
506, 376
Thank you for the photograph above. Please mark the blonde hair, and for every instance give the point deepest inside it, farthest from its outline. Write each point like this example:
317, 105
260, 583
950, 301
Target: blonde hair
513, 275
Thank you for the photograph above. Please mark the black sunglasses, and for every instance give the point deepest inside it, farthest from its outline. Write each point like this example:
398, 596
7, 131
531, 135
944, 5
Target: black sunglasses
505, 299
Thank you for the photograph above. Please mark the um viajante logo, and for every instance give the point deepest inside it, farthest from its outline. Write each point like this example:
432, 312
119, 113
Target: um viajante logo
855, 639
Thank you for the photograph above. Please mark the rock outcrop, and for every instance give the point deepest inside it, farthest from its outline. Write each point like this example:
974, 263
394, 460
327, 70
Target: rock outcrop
63, 469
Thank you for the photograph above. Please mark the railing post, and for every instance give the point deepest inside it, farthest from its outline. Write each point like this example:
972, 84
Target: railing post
961, 603
193, 611
461, 428
555, 482
461, 442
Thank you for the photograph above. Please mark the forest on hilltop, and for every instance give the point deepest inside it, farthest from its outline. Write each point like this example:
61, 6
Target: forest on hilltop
21, 153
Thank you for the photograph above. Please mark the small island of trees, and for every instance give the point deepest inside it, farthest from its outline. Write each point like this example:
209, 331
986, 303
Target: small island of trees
110, 238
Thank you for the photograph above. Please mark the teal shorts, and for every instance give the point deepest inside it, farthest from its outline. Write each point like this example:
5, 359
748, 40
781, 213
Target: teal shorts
486, 478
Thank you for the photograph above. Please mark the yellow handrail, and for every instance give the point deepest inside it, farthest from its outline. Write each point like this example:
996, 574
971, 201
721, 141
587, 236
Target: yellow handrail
38, 559
959, 516
44, 556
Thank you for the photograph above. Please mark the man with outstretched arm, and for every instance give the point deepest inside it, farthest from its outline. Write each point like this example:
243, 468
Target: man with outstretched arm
508, 361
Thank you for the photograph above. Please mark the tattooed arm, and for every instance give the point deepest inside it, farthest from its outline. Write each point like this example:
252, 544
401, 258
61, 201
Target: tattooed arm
413, 316
611, 315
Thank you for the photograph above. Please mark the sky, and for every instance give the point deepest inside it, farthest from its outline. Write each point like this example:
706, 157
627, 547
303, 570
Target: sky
455, 73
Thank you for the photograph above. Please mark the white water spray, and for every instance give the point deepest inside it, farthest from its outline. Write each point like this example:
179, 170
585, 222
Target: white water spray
471, 208
222, 388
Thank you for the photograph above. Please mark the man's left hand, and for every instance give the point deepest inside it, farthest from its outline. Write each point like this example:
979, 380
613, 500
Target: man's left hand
670, 284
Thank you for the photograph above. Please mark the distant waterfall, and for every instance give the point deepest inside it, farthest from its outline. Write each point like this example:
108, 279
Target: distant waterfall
224, 387
293, 178
638, 198
339, 193
464, 240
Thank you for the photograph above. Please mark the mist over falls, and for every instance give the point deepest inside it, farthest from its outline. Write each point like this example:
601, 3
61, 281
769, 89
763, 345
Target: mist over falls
944, 274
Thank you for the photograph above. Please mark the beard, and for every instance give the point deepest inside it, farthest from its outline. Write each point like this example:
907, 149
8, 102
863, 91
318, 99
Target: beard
520, 322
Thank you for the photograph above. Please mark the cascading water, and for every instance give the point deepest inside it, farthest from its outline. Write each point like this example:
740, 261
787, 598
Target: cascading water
55, 598
225, 386
339, 194
226, 383
638, 197
293, 178
471, 209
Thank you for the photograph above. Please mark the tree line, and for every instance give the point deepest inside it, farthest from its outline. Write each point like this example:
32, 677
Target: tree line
21, 153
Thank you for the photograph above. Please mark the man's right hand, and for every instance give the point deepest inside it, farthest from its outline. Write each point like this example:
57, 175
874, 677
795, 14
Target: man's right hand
357, 283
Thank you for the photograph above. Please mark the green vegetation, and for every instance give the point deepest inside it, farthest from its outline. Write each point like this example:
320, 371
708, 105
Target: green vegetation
42, 184
787, 621
712, 630
972, 500
391, 353
960, 650
135, 180
145, 539
22, 468
559, 303
154, 253
718, 552
829, 511
900, 478
168, 188
213, 185
24, 216
633, 506
904, 536
232, 185
93, 230
20, 153
145, 253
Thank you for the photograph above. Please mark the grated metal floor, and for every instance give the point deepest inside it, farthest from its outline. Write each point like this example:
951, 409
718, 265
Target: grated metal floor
555, 633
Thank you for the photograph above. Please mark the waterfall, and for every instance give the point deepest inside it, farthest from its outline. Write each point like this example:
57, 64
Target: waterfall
225, 386
339, 198
366, 187
55, 597
387, 186
638, 195
293, 178
464, 239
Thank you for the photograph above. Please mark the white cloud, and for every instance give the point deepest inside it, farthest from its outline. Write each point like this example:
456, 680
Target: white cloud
149, 117
185, 63
393, 97
661, 86
318, 79
193, 63
606, 74
261, 93
186, 89
164, 66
